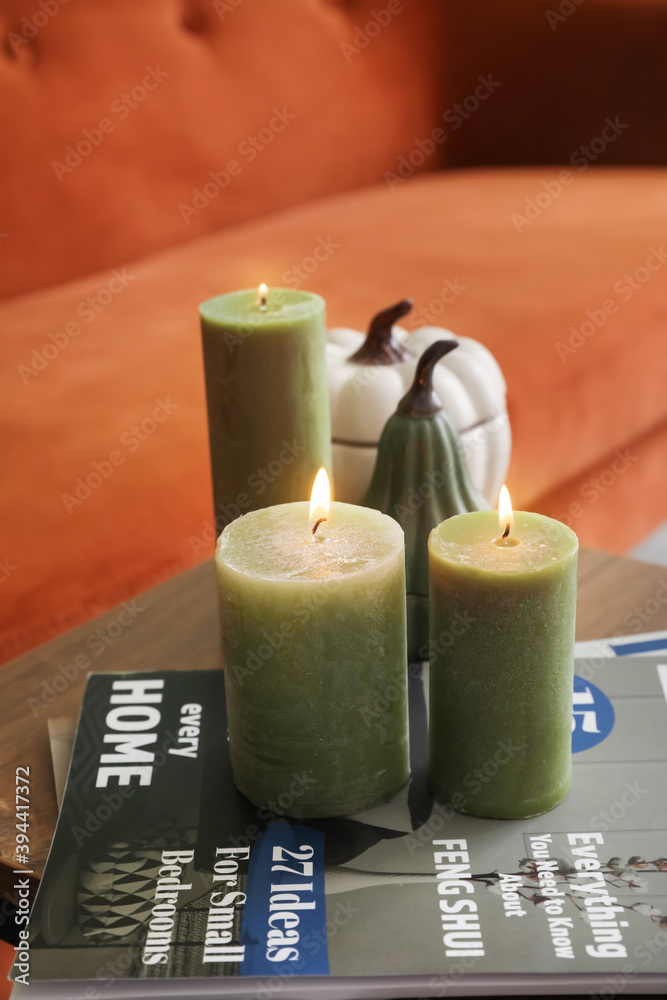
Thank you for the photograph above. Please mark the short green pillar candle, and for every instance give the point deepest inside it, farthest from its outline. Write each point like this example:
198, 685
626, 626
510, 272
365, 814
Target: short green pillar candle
502, 612
267, 397
314, 639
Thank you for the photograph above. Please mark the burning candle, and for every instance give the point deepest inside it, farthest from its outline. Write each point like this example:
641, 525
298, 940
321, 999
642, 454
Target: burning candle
501, 652
267, 397
312, 602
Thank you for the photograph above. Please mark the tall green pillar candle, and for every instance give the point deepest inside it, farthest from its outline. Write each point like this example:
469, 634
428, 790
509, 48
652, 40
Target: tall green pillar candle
501, 651
314, 644
267, 397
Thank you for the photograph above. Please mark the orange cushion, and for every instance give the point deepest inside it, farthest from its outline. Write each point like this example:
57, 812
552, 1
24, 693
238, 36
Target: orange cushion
130, 381
620, 499
115, 114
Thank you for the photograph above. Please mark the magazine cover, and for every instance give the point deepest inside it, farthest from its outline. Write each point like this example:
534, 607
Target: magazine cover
160, 870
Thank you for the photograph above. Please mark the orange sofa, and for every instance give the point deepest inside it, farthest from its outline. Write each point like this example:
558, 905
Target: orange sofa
156, 154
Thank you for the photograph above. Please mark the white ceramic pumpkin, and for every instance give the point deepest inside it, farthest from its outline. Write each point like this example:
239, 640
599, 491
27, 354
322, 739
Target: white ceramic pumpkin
370, 373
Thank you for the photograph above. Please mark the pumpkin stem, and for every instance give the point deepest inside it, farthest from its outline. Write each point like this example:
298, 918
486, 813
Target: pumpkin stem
380, 346
421, 400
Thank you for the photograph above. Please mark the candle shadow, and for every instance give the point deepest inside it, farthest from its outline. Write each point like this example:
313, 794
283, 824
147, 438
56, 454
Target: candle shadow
347, 839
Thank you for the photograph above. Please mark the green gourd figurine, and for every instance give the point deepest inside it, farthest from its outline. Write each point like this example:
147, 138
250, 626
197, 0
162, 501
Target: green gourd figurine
420, 479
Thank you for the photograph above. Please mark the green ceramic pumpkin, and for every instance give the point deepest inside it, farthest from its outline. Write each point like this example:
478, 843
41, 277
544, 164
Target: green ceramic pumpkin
420, 479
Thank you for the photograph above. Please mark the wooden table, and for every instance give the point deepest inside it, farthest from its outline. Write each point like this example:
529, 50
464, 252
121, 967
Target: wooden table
174, 627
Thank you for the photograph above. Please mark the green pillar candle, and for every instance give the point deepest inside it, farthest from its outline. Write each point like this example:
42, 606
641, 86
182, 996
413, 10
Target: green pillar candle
314, 646
267, 397
501, 650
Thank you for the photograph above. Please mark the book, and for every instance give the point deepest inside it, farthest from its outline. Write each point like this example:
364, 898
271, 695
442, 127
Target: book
174, 884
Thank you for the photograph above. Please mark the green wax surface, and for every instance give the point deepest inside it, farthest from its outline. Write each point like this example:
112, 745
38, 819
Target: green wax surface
501, 664
314, 644
267, 398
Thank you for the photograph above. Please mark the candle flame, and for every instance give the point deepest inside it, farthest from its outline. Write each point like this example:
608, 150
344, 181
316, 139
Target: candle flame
505, 513
320, 498
262, 295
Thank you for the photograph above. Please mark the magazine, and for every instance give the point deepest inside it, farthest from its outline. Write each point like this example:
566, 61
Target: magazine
173, 884
625, 645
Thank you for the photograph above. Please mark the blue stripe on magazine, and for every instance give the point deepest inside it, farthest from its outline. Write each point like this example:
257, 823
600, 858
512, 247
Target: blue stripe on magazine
628, 648
283, 926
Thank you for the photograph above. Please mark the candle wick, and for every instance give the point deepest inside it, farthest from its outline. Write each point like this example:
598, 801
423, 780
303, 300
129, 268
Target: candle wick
506, 531
318, 523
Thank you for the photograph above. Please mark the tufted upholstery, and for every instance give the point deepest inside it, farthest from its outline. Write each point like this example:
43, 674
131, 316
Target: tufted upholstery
182, 88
